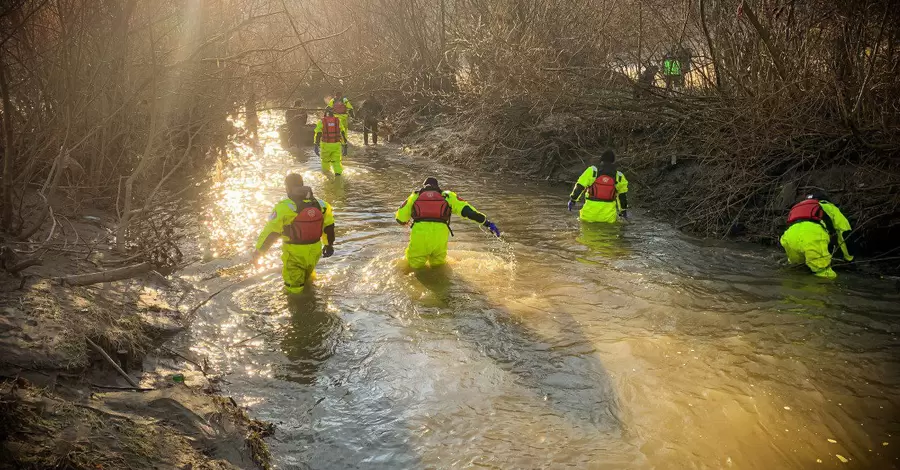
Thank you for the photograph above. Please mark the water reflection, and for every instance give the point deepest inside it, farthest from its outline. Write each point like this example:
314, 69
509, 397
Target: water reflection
606, 240
311, 338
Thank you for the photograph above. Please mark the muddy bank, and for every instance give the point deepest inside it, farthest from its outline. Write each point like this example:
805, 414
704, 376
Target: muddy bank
64, 405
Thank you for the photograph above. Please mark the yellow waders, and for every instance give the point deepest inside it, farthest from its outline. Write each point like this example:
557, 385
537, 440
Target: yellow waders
807, 242
427, 244
299, 265
600, 211
330, 153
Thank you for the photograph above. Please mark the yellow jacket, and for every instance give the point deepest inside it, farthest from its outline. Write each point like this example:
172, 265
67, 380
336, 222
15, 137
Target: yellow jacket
283, 215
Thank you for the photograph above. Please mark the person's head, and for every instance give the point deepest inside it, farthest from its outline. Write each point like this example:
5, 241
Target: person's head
431, 182
294, 187
298, 103
608, 157
338, 94
329, 111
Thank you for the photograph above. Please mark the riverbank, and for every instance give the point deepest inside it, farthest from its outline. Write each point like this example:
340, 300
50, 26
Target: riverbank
65, 405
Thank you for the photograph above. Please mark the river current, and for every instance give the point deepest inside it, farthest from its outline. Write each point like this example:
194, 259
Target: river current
560, 345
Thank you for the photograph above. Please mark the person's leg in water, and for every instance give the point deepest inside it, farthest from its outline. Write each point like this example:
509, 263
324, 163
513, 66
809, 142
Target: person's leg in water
329, 153
299, 265
599, 211
427, 245
807, 243
336, 165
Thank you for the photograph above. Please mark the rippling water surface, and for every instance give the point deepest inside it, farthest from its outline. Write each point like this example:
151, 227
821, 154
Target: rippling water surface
562, 345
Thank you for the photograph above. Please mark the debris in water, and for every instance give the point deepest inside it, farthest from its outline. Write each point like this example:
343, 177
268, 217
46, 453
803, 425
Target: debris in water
787, 408
832, 441
818, 460
884, 444
841, 458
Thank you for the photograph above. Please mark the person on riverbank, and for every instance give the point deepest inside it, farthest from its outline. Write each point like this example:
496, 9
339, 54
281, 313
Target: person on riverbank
604, 189
430, 209
329, 140
814, 224
371, 114
342, 107
672, 71
302, 222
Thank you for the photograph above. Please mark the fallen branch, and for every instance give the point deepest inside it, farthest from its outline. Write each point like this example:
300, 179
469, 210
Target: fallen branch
199, 366
197, 307
106, 276
110, 387
21, 265
113, 363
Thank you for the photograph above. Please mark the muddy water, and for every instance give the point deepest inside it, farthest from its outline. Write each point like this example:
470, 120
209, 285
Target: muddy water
562, 345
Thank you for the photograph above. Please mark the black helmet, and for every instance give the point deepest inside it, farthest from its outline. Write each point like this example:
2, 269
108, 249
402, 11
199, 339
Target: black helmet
818, 195
430, 182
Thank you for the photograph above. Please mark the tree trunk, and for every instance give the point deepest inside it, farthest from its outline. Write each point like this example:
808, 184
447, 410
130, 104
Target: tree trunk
9, 152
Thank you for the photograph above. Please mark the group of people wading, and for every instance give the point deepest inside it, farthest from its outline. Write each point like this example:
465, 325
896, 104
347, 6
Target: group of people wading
305, 224
329, 138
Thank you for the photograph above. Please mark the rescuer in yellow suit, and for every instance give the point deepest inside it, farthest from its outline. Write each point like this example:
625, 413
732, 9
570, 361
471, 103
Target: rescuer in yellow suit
813, 224
329, 142
303, 223
429, 209
604, 189
342, 107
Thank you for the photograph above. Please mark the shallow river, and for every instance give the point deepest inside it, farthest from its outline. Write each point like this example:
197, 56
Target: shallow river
560, 345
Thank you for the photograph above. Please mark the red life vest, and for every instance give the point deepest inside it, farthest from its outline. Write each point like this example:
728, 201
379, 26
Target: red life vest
431, 206
331, 129
308, 226
339, 106
603, 189
807, 210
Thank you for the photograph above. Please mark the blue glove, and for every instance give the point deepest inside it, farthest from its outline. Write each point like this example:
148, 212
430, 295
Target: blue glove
344, 150
317, 150
493, 228
571, 205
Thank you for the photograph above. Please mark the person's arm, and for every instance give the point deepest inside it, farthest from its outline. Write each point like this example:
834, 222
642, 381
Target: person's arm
404, 213
343, 133
328, 222
270, 232
317, 134
622, 192
350, 111
839, 224
584, 181
463, 209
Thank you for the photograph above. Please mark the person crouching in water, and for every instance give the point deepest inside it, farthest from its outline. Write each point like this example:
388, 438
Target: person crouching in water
302, 222
813, 224
429, 209
329, 140
604, 188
